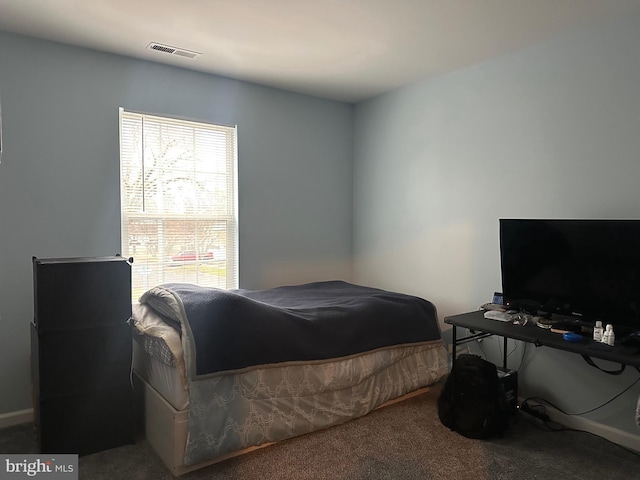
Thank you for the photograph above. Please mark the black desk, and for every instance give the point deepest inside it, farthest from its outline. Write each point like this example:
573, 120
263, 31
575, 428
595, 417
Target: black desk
481, 327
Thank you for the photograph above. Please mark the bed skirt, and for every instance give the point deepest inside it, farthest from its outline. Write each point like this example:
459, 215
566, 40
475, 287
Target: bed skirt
235, 413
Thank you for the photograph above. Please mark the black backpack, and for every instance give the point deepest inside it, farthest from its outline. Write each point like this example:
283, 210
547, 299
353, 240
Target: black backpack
472, 402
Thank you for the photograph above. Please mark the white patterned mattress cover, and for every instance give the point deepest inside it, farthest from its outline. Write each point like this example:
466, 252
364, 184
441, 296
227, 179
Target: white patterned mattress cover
149, 363
235, 410
231, 412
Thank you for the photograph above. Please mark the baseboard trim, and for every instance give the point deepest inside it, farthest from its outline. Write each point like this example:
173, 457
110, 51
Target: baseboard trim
16, 418
615, 435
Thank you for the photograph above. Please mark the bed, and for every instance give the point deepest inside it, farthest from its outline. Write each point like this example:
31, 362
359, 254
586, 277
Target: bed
222, 372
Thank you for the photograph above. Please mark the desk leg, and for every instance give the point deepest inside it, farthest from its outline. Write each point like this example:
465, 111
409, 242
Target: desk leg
504, 352
455, 346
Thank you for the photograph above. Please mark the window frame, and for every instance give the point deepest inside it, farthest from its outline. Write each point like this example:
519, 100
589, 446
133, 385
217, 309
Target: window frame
221, 224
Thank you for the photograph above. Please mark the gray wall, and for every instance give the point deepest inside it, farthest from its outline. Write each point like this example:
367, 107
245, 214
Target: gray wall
59, 177
551, 131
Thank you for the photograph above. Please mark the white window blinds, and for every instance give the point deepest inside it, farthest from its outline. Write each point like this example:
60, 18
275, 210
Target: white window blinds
178, 201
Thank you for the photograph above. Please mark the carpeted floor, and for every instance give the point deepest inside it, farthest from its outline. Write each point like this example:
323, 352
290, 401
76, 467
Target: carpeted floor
402, 441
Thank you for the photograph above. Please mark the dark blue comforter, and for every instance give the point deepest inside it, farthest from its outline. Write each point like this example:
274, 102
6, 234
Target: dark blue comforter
234, 329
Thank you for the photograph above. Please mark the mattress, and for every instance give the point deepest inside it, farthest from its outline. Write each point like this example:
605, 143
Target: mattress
155, 368
268, 404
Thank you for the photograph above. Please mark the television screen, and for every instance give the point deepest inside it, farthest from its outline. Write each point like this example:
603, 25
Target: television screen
584, 268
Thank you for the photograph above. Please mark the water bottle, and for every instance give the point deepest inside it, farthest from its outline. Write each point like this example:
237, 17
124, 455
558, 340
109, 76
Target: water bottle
609, 337
612, 337
598, 331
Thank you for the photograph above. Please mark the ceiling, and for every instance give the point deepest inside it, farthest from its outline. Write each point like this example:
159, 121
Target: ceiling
346, 50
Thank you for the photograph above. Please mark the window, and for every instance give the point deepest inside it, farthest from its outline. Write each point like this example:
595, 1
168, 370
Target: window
179, 201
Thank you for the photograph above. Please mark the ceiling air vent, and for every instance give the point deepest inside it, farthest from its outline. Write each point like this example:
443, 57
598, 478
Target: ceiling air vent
181, 52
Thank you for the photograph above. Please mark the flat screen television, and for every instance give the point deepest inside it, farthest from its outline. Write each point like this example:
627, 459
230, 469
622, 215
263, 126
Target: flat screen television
588, 269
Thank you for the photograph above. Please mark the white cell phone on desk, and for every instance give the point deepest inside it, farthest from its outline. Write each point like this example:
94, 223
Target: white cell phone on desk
499, 316
493, 306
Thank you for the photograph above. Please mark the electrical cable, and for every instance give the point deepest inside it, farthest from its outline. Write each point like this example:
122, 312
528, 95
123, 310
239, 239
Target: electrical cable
524, 353
515, 348
549, 428
542, 400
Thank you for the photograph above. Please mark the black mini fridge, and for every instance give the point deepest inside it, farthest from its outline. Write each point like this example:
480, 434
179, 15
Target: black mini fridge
81, 354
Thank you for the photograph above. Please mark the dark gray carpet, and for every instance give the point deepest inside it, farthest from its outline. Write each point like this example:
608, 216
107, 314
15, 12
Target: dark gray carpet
402, 441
